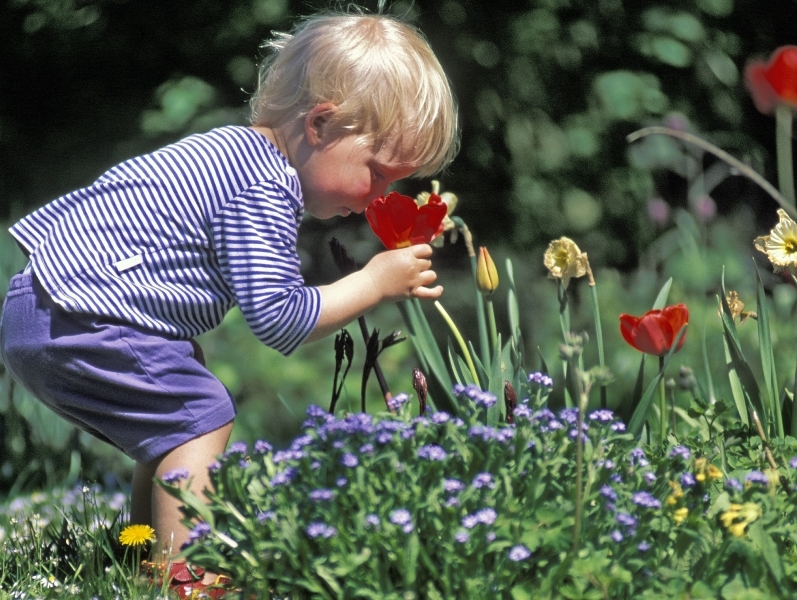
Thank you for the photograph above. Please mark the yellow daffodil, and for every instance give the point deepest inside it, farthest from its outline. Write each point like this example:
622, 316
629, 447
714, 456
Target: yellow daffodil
136, 535
564, 260
679, 516
780, 245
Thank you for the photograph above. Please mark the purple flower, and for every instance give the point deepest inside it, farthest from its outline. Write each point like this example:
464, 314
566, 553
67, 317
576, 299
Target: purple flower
316, 412
372, 520
367, 449
757, 477
733, 484
453, 485
453, 501
650, 476
284, 477
518, 553
540, 379
397, 401
486, 516
440, 417
262, 447
626, 520
318, 529
175, 475
341, 481
643, 546
321, 494
214, 467
616, 536
461, 536
432, 452
236, 448
607, 492
470, 521
638, 457
301, 441
617, 426
602, 415
199, 531
569, 415
400, 516
681, 452
490, 537
384, 437
688, 480
266, 515
658, 211
485, 432
483, 480
349, 460
646, 500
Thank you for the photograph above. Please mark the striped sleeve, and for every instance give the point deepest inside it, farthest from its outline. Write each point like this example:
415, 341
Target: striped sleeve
254, 236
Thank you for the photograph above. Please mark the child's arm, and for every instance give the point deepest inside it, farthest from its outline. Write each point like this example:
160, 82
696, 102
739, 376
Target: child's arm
388, 277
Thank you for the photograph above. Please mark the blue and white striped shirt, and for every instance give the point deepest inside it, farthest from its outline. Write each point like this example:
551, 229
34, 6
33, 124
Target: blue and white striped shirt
172, 240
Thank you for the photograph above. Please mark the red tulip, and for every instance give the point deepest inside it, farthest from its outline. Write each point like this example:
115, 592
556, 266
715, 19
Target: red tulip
399, 222
775, 82
655, 331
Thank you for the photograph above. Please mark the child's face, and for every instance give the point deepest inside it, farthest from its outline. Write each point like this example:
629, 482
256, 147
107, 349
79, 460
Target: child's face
344, 174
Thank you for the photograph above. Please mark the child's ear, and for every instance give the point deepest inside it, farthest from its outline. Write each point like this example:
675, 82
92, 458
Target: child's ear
316, 123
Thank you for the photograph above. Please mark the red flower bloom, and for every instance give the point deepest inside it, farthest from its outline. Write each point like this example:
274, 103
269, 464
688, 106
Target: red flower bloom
399, 222
655, 331
775, 82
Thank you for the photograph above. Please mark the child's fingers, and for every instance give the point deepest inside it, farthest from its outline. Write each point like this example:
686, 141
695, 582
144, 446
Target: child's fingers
425, 293
421, 250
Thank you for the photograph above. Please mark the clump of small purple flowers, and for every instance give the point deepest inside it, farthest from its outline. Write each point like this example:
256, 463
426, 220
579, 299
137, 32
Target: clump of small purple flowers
175, 475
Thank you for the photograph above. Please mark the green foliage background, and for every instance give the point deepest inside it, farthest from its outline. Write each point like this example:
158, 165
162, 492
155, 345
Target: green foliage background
547, 89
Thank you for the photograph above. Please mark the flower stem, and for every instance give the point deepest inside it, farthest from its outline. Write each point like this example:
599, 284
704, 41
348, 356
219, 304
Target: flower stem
460, 341
662, 402
488, 300
598, 330
783, 128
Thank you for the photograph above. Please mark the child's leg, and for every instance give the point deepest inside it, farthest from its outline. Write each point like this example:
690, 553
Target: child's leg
152, 505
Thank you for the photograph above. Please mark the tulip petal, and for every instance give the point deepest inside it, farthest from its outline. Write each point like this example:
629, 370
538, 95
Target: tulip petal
429, 221
392, 218
627, 325
678, 316
653, 334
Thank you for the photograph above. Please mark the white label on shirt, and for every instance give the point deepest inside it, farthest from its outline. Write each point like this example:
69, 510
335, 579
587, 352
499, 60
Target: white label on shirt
290, 171
129, 263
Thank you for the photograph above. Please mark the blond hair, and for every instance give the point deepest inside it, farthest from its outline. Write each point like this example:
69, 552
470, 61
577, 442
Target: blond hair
381, 75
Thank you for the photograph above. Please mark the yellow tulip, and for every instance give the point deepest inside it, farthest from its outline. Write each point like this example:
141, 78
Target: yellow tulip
486, 273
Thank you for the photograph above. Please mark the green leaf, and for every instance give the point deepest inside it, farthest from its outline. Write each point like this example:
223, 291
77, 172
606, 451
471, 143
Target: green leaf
496, 384
661, 299
738, 363
767, 355
432, 361
641, 413
768, 548
636, 394
513, 309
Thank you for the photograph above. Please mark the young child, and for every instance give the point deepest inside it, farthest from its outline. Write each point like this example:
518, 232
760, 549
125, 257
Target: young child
124, 273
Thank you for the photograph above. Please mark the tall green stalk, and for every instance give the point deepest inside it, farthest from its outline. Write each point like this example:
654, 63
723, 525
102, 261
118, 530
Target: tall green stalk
662, 403
783, 129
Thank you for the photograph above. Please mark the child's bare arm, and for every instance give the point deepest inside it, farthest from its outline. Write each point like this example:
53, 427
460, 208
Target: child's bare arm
388, 277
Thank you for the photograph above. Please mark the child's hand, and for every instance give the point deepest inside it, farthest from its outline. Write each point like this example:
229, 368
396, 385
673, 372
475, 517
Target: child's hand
404, 273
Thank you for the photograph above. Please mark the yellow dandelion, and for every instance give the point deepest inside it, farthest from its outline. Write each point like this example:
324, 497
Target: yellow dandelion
680, 515
780, 245
564, 260
136, 535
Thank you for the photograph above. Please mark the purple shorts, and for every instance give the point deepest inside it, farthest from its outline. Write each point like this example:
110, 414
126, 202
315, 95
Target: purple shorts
142, 392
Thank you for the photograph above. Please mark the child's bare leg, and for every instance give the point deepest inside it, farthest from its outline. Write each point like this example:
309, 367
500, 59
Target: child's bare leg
164, 514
